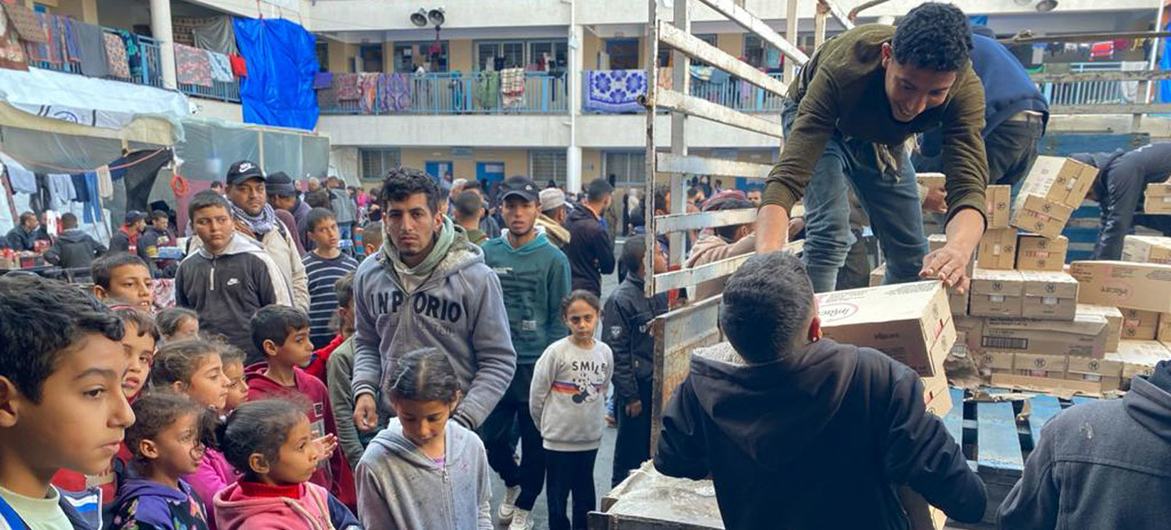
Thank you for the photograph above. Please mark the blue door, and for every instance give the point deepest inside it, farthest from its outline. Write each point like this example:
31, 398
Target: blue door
490, 173
437, 169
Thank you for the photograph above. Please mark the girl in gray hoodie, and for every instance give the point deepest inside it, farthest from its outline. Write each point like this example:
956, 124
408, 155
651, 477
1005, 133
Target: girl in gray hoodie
423, 471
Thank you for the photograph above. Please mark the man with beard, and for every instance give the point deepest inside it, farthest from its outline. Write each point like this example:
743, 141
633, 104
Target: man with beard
534, 276
428, 287
256, 219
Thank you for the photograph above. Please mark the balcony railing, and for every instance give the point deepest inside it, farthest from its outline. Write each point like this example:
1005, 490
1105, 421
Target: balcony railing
441, 93
1092, 92
615, 91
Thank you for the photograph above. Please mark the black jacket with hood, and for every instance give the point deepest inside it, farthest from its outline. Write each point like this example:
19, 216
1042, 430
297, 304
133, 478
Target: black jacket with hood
819, 439
626, 323
1105, 464
74, 249
590, 250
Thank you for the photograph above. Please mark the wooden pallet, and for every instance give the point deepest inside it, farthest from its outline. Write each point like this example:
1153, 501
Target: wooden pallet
998, 429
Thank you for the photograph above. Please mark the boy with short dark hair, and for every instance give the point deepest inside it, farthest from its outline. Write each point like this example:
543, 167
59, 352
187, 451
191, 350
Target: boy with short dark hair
372, 238
809, 433
73, 249
282, 334
122, 278
339, 369
229, 277
61, 400
324, 265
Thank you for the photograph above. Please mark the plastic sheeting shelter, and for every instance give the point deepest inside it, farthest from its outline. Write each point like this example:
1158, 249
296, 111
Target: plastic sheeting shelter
211, 146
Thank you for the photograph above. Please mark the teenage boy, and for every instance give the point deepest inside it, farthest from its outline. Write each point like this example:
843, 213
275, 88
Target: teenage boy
229, 277
282, 333
626, 329
590, 249
324, 265
121, 278
534, 276
61, 400
797, 431
428, 287
73, 249
339, 370
126, 238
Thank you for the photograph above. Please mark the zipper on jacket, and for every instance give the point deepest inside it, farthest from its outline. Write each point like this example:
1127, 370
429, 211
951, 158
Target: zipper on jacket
211, 280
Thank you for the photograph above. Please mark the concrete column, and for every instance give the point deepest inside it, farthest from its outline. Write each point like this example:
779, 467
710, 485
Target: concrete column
573, 79
160, 26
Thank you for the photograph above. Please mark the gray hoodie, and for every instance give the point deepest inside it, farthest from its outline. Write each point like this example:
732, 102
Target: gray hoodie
399, 487
459, 309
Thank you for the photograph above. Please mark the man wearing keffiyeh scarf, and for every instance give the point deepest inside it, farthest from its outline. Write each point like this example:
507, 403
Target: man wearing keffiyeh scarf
256, 219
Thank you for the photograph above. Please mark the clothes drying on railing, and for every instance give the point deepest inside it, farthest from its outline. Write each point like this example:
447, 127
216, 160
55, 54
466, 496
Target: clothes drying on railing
398, 92
12, 54
192, 66
221, 67
116, 58
487, 89
347, 87
368, 88
91, 48
26, 23
134, 55
512, 87
615, 90
322, 80
216, 35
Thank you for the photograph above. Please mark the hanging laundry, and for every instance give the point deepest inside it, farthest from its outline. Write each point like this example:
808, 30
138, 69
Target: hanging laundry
512, 87
217, 35
70, 47
116, 58
12, 54
105, 182
1102, 50
221, 67
399, 92
382, 97
615, 90
26, 23
488, 89
61, 191
80, 193
92, 208
39, 51
368, 87
133, 53
347, 87
192, 66
22, 180
91, 48
702, 73
322, 80
239, 66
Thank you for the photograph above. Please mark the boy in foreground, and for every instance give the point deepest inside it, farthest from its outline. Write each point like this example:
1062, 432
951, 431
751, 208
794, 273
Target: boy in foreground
61, 365
809, 433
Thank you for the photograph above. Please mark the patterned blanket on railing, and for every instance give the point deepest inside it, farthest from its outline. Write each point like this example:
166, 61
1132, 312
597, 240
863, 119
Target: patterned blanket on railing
615, 90
397, 97
116, 58
512, 87
347, 87
221, 67
192, 66
368, 87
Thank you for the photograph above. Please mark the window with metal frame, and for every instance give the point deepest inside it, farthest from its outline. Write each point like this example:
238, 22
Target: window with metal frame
628, 168
546, 165
378, 161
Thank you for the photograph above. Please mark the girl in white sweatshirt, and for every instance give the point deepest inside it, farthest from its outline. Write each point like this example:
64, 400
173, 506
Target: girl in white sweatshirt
568, 402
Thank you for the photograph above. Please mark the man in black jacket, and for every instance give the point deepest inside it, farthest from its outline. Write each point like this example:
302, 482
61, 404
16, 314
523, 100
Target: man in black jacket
626, 329
1105, 464
23, 236
801, 432
1122, 178
590, 249
74, 249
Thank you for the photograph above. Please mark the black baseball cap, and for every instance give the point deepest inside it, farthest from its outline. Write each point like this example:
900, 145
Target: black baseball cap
520, 186
134, 216
242, 171
280, 184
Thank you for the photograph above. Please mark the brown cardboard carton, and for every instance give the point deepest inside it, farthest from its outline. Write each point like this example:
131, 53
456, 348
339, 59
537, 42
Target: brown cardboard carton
999, 198
1106, 371
1122, 284
936, 395
1037, 215
1139, 325
996, 361
1138, 357
1147, 249
1157, 198
997, 249
1049, 295
1037, 253
1034, 365
969, 329
910, 322
1059, 180
1163, 332
877, 275
1085, 336
996, 293
921, 514
1049, 385
1113, 318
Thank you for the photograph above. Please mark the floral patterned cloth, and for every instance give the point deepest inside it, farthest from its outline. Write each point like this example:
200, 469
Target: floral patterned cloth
192, 65
119, 63
615, 90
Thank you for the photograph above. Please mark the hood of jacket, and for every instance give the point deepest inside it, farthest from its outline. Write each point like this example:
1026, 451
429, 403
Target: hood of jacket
460, 255
138, 487
581, 213
393, 440
707, 242
73, 235
239, 244
1149, 401
558, 234
526, 249
235, 510
806, 387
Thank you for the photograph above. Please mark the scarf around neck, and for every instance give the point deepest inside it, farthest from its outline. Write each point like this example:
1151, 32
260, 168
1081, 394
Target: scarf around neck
260, 224
427, 266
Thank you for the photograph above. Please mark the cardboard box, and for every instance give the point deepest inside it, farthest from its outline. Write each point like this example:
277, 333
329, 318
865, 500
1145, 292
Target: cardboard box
1059, 180
1144, 286
1157, 198
937, 395
997, 249
1037, 253
1147, 249
999, 199
1037, 215
1049, 385
1113, 318
968, 329
957, 302
931, 180
1035, 365
996, 361
910, 322
996, 293
1163, 331
1139, 325
877, 275
1138, 357
1049, 295
1085, 336
1108, 372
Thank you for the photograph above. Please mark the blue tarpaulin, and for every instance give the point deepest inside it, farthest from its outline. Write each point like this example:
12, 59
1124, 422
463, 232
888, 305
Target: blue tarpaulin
282, 60
1165, 65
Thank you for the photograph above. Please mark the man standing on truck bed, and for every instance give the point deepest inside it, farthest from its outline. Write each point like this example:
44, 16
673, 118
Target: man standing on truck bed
848, 118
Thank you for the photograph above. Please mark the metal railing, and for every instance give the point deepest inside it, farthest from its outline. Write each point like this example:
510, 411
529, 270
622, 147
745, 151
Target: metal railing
721, 89
1090, 92
445, 93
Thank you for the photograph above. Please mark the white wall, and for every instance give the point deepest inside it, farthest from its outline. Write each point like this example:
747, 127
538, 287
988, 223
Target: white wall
247, 8
206, 108
602, 131
343, 161
425, 131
